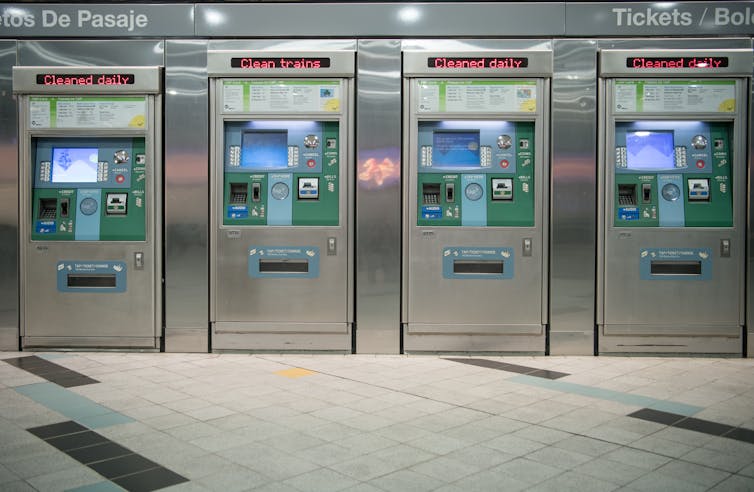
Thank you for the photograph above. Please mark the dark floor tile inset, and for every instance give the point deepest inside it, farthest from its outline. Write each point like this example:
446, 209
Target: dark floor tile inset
154, 479
70, 380
124, 465
99, 452
741, 434
50, 371
75, 441
657, 416
56, 430
518, 369
113, 461
704, 426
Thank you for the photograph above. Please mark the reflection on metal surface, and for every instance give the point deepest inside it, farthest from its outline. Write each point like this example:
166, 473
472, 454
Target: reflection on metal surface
379, 168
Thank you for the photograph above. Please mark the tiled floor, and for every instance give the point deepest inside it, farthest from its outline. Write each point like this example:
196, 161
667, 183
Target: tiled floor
374, 423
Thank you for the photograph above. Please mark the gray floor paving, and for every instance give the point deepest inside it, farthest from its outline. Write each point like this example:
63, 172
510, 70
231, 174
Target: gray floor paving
390, 423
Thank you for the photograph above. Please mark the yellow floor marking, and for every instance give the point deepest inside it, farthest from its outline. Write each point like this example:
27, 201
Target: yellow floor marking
296, 372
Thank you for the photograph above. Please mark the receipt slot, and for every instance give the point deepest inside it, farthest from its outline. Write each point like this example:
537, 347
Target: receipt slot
475, 195
90, 181
281, 247
672, 192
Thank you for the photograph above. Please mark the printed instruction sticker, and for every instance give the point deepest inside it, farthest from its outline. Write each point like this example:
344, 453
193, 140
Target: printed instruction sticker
87, 112
675, 96
477, 96
281, 96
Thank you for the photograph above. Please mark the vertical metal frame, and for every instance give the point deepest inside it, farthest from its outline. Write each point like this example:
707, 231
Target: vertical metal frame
573, 198
378, 197
9, 285
186, 213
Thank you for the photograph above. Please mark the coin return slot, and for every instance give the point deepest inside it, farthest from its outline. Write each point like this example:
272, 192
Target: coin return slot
491, 267
239, 192
676, 268
116, 203
627, 194
431, 193
48, 208
99, 281
283, 266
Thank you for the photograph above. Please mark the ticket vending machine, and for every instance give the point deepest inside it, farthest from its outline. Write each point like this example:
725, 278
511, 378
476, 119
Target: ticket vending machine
475, 201
90, 240
673, 195
281, 145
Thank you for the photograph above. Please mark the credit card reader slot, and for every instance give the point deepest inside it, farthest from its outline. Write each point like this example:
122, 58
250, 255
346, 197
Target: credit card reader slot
450, 195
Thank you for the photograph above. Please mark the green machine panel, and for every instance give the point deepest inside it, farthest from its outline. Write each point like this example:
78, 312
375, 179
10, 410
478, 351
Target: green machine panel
89, 189
476, 173
281, 173
673, 174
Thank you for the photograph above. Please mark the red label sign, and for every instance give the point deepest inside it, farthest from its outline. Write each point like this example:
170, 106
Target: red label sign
85, 79
280, 62
505, 62
677, 62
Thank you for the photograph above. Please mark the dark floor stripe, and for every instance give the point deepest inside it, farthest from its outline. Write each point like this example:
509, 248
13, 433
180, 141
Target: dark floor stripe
694, 424
120, 465
50, 371
503, 366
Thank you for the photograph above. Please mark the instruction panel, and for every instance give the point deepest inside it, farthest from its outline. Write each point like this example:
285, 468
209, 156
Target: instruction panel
675, 96
87, 112
477, 96
274, 96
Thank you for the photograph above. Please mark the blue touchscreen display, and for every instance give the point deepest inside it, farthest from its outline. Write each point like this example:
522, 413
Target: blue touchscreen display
650, 150
74, 165
264, 149
455, 149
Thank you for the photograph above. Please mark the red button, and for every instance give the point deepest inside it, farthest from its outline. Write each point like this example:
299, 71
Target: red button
120, 178
700, 164
311, 163
504, 163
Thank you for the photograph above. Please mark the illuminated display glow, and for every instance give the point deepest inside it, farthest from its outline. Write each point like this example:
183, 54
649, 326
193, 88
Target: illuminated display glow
74, 165
650, 150
477, 62
264, 149
85, 79
456, 149
677, 62
279, 62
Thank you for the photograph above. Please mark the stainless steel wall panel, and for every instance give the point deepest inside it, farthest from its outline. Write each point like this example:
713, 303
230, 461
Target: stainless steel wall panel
750, 231
573, 199
378, 197
9, 335
186, 197
102, 52
381, 19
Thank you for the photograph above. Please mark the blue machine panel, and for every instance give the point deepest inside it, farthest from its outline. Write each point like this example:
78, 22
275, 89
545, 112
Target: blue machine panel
283, 262
102, 277
675, 264
469, 262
